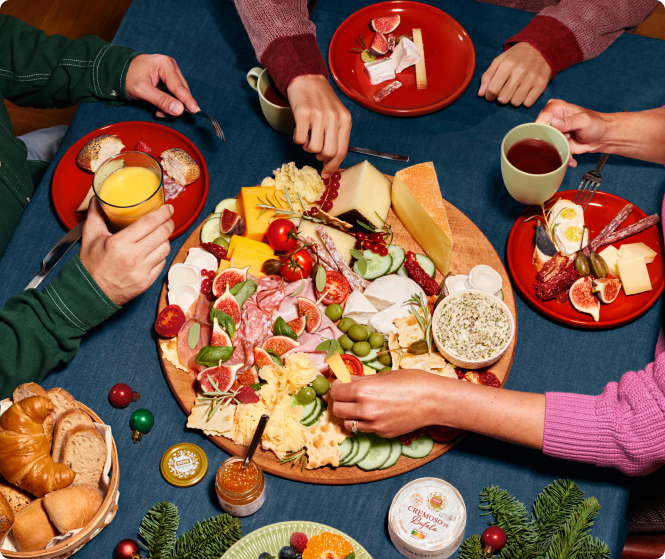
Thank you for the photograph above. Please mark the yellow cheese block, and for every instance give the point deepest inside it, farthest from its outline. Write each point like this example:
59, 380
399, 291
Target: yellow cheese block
611, 255
421, 73
338, 367
417, 202
633, 274
257, 219
639, 248
223, 265
368, 370
343, 241
244, 256
249, 244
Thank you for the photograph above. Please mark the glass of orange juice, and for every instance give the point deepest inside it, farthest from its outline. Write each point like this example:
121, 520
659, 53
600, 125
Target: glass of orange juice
128, 186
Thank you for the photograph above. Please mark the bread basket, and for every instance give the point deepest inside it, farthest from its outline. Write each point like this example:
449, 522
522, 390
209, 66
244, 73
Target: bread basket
102, 518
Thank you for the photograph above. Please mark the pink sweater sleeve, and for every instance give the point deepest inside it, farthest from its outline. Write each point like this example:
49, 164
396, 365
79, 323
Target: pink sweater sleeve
283, 37
623, 428
577, 30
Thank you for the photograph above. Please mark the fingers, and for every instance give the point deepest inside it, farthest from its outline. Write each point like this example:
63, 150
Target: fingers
94, 223
157, 238
342, 392
489, 74
571, 123
497, 83
147, 224
176, 84
534, 93
158, 255
342, 146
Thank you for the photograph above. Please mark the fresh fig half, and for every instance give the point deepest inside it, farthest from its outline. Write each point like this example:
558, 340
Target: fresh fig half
261, 358
310, 309
607, 290
231, 223
219, 336
298, 325
385, 24
280, 344
227, 303
582, 298
229, 277
222, 375
379, 45
250, 376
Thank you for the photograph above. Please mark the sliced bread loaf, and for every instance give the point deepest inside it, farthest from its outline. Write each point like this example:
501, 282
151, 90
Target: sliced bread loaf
6, 518
84, 451
66, 422
72, 507
17, 498
62, 401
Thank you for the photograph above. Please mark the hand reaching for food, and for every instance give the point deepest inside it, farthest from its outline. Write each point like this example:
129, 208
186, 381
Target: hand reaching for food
323, 123
127, 263
144, 75
518, 76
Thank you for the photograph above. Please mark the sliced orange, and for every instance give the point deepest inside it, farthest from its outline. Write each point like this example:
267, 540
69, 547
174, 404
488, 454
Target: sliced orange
327, 546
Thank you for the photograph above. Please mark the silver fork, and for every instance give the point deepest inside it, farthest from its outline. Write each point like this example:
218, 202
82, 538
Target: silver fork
213, 122
590, 183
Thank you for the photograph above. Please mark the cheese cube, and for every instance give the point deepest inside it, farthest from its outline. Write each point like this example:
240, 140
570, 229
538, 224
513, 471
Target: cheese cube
611, 255
624, 251
364, 195
343, 241
421, 73
223, 265
338, 367
417, 202
251, 244
243, 257
380, 70
257, 219
640, 248
634, 275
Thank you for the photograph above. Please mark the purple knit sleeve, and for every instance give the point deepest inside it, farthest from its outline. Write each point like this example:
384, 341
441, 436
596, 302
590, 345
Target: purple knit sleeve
623, 428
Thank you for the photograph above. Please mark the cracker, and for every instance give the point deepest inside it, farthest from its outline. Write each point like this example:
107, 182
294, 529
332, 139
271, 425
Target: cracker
395, 353
426, 361
322, 443
170, 353
408, 330
220, 424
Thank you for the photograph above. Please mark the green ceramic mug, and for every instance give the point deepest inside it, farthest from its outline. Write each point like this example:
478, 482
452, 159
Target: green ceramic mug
525, 187
280, 118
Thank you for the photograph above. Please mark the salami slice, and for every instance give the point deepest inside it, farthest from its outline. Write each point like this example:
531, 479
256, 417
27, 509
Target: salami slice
390, 88
355, 281
324, 257
609, 228
630, 230
171, 188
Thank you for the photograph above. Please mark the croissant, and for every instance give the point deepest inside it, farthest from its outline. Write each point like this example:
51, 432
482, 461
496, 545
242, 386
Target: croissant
24, 450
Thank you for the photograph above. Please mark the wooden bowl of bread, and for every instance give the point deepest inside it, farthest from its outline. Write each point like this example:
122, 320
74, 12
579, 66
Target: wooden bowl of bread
52, 462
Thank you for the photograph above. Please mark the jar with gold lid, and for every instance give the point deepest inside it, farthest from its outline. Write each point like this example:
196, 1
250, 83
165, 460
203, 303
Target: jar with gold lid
240, 492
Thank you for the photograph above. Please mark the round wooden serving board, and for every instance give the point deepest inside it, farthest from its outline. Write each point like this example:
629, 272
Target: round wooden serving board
470, 248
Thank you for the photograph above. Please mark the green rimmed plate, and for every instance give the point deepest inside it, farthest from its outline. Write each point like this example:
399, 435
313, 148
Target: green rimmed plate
273, 537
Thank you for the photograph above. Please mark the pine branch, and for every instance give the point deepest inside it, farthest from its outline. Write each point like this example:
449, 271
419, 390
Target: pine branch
208, 539
567, 543
553, 507
472, 548
158, 529
593, 549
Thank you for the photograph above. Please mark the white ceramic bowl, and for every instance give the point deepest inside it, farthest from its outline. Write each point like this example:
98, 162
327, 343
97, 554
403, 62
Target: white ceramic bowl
467, 363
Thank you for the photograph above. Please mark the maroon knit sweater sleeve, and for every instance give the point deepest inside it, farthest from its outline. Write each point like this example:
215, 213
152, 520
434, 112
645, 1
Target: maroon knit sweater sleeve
577, 30
283, 37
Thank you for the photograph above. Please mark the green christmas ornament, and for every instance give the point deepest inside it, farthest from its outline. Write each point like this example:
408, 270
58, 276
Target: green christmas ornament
140, 423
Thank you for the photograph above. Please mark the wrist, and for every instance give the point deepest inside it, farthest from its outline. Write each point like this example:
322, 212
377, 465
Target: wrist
307, 80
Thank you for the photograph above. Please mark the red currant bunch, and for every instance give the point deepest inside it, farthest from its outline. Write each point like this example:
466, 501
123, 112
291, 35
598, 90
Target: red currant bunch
206, 284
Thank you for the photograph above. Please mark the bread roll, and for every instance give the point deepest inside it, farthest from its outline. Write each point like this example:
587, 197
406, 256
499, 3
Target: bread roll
84, 451
33, 528
16, 498
67, 421
98, 150
73, 507
6, 518
29, 389
178, 165
62, 401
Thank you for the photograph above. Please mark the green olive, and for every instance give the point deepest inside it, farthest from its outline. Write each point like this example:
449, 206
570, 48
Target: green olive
321, 385
361, 349
306, 395
375, 340
385, 359
346, 323
221, 241
385, 369
345, 342
357, 332
334, 312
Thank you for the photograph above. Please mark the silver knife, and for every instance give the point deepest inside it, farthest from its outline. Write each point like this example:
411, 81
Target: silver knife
56, 254
381, 154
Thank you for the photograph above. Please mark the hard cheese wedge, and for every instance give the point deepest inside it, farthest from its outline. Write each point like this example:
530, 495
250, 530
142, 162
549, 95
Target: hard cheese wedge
250, 244
343, 241
638, 248
421, 74
244, 256
256, 219
611, 255
634, 275
417, 202
338, 368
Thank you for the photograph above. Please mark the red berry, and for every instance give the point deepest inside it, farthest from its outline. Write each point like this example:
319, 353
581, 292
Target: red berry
299, 540
360, 236
377, 238
376, 248
142, 146
332, 195
383, 250
367, 245
211, 296
211, 274
336, 176
495, 538
204, 272
327, 206
314, 210
333, 186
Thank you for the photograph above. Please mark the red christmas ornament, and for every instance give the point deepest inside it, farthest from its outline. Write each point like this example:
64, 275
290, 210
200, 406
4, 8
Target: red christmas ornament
121, 396
127, 549
494, 539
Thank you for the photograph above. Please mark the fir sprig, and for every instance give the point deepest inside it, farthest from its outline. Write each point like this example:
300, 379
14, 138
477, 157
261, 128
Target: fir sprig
158, 530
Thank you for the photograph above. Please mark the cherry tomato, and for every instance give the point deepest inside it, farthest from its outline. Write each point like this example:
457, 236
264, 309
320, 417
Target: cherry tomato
337, 287
442, 433
297, 267
281, 235
353, 364
169, 321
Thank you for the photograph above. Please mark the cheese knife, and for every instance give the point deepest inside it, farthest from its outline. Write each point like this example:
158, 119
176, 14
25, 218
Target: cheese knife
380, 154
56, 254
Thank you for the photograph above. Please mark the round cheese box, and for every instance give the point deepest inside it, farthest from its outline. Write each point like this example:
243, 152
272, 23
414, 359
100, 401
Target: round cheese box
427, 519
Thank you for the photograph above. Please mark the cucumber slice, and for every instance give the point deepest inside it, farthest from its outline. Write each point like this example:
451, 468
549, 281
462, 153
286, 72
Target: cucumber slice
346, 447
395, 453
364, 445
210, 230
371, 356
401, 271
426, 264
376, 265
378, 453
499, 295
419, 448
226, 204
309, 410
352, 452
398, 255
315, 416
294, 401
376, 364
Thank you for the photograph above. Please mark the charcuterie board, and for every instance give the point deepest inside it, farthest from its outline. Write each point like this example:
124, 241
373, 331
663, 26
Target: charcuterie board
471, 248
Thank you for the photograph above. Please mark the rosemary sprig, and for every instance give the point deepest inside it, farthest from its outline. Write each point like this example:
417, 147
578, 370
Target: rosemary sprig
216, 398
281, 211
424, 320
295, 457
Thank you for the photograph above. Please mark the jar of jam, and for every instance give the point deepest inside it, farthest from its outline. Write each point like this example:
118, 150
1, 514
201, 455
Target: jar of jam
240, 492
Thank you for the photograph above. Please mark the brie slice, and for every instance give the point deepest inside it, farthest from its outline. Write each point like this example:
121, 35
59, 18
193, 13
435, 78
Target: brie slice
359, 308
380, 70
384, 321
391, 290
405, 55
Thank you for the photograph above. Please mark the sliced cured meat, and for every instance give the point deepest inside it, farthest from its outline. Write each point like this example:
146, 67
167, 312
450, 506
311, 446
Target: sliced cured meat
630, 230
185, 353
557, 286
321, 253
555, 265
390, 88
609, 228
171, 188
200, 309
355, 281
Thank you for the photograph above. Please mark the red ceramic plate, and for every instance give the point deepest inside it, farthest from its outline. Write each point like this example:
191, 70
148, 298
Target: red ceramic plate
601, 210
71, 183
449, 58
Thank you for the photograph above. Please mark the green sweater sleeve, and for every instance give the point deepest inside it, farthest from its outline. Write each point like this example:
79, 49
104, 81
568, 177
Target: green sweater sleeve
42, 71
40, 330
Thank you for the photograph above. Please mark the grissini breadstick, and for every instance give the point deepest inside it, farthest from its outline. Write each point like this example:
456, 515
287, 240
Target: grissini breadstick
355, 281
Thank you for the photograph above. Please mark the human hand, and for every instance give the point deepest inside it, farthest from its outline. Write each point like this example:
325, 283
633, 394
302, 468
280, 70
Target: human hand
584, 129
146, 72
323, 124
518, 76
389, 404
125, 264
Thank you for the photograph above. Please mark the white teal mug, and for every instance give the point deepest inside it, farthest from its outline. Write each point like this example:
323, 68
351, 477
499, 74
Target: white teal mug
280, 118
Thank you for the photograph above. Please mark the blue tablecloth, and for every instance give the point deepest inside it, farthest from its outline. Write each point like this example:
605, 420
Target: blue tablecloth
208, 41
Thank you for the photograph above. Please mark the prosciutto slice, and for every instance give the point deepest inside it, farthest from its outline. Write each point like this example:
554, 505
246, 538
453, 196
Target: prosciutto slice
186, 355
200, 309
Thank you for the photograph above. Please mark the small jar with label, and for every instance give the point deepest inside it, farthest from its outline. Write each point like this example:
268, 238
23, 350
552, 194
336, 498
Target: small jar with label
240, 492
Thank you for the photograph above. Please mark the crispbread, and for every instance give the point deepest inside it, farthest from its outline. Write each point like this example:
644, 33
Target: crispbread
408, 330
395, 351
67, 421
322, 443
84, 451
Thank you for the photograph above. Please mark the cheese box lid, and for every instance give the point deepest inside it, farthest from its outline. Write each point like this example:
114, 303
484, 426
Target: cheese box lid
184, 465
